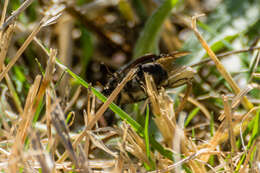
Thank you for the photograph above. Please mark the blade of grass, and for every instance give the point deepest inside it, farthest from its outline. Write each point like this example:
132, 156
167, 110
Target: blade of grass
140, 9
148, 40
16, 13
23, 47
191, 116
146, 137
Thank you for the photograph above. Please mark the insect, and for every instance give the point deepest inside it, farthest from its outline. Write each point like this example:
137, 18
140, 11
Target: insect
161, 67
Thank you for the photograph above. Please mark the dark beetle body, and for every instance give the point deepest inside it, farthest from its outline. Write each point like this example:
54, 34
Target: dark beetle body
161, 67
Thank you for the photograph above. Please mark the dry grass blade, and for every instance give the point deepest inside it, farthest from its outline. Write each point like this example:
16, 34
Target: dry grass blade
5, 41
228, 114
48, 116
33, 99
203, 109
165, 120
24, 124
187, 159
3, 19
238, 98
43, 158
162, 108
222, 55
16, 13
73, 100
123, 156
185, 98
22, 48
98, 143
4, 12
135, 144
61, 128
246, 103
28, 113
18, 54
229, 117
221, 136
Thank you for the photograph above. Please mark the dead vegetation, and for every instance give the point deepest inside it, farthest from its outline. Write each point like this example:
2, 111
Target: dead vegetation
51, 120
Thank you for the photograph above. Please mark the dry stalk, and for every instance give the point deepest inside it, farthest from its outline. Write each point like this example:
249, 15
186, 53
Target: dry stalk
123, 155
246, 103
33, 99
3, 19
23, 47
48, 115
58, 121
98, 143
237, 99
184, 100
42, 158
135, 145
10, 19
228, 114
5, 41
229, 117
193, 101
187, 159
23, 126
162, 109
73, 99
4, 12
220, 136
225, 54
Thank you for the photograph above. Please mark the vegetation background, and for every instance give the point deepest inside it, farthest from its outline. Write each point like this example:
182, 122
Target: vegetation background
56, 56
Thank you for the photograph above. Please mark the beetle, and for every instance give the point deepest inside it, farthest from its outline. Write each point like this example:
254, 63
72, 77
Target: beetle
165, 72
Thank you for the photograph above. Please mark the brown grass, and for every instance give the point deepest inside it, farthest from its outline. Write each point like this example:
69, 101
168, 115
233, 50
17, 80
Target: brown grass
55, 143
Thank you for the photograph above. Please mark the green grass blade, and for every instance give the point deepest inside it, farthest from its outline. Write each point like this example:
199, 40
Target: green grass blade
148, 40
146, 137
146, 133
191, 116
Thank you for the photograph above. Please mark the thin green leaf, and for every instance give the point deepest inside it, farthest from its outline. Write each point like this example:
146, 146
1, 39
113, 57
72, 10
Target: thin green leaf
146, 137
191, 116
69, 117
212, 125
